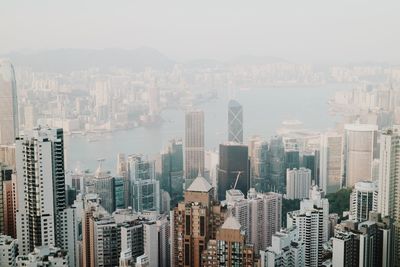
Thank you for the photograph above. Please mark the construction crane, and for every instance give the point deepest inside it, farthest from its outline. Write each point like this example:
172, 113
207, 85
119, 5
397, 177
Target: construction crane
237, 178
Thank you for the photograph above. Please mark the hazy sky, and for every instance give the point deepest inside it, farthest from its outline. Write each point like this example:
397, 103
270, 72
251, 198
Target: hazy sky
298, 30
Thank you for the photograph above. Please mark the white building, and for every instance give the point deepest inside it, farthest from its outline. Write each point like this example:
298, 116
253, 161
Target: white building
8, 104
40, 188
8, 251
363, 199
330, 162
259, 215
44, 256
287, 250
312, 222
298, 183
389, 181
358, 150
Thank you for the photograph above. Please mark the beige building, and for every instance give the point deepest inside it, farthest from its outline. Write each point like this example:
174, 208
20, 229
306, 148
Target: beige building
193, 223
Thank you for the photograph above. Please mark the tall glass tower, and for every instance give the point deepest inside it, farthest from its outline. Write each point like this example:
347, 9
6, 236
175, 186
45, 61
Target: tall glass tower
235, 122
8, 104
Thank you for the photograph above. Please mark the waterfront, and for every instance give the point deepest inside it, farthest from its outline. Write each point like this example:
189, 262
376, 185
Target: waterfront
264, 111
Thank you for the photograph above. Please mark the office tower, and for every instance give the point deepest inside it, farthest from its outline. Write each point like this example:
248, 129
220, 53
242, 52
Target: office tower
259, 215
41, 188
235, 122
389, 183
358, 150
193, 223
330, 174
122, 171
119, 192
104, 186
194, 145
308, 162
258, 165
172, 170
277, 163
44, 256
287, 250
298, 183
366, 244
363, 199
233, 169
8, 251
312, 222
229, 248
211, 161
8, 104
292, 158
145, 188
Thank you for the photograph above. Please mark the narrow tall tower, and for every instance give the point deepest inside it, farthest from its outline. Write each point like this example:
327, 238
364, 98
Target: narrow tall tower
235, 122
8, 104
194, 145
40, 187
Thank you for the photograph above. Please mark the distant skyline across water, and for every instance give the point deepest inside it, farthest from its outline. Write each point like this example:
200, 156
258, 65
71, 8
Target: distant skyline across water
263, 112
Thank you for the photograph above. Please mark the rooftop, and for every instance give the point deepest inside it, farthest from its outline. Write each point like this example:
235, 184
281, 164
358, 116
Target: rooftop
231, 223
200, 184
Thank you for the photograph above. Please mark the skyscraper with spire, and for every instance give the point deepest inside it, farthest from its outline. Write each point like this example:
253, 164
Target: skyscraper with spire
8, 104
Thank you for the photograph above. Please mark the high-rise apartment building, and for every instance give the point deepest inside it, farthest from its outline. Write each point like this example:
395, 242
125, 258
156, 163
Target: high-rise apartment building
194, 145
44, 256
287, 250
330, 160
233, 169
358, 150
229, 248
363, 199
312, 221
259, 215
235, 122
298, 183
193, 223
389, 183
8, 104
41, 188
145, 189
8, 251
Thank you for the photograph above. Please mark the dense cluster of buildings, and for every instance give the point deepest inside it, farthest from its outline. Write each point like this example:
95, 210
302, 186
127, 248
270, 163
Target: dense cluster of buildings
190, 207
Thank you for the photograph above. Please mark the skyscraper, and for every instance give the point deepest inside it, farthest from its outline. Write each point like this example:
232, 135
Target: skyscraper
235, 122
145, 189
312, 222
105, 188
258, 153
172, 170
194, 145
193, 223
298, 183
358, 150
41, 188
363, 199
389, 183
8, 104
233, 169
330, 162
259, 215
276, 163
229, 248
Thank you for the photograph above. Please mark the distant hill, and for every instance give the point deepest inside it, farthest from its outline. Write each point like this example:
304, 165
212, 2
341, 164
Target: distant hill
65, 60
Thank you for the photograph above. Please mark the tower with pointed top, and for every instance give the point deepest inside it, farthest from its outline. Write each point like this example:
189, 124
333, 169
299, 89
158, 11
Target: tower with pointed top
235, 122
194, 222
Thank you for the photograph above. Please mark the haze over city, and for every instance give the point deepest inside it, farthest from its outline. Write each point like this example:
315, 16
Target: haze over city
212, 133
